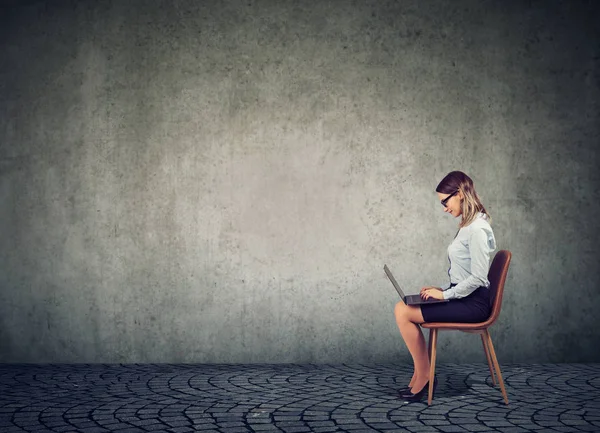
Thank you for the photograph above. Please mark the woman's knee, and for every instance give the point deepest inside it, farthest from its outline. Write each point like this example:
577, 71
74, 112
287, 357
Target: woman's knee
409, 314
400, 310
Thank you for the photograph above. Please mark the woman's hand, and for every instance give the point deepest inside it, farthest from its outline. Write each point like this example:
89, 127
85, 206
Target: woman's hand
432, 292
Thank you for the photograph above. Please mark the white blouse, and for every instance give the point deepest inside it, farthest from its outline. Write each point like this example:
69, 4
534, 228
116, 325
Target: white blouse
469, 256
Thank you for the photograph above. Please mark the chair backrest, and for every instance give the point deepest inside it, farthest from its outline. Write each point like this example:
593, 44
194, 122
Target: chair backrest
497, 277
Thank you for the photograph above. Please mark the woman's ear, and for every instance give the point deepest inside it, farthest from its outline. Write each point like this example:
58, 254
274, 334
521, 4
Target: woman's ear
460, 195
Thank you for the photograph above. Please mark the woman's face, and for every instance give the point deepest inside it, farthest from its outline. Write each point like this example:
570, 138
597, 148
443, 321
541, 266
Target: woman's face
452, 204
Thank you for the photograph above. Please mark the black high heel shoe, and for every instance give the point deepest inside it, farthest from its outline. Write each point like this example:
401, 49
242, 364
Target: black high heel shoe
404, 390
411, 398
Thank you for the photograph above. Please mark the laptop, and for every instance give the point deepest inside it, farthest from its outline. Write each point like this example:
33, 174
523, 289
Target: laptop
410, 299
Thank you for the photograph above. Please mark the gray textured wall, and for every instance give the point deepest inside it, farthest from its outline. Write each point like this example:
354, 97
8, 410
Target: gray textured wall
198, 182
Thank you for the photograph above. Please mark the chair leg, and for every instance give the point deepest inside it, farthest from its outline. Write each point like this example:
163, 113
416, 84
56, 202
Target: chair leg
496, 365
432, 343
489, 360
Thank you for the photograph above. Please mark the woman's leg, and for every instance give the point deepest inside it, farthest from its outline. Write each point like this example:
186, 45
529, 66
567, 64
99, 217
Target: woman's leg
407, 318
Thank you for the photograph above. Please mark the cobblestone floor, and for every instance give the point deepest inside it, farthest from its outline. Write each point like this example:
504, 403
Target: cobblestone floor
293, 398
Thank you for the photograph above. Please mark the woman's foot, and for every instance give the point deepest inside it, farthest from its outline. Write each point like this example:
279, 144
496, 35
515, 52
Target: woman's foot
407, 388
418, 384
419, 394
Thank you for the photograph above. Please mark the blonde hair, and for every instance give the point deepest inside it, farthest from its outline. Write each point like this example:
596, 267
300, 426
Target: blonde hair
471, 204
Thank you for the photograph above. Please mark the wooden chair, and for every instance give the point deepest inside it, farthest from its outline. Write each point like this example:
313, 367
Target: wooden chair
497, 277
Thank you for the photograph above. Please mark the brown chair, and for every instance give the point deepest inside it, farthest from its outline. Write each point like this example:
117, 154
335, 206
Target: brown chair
497, 278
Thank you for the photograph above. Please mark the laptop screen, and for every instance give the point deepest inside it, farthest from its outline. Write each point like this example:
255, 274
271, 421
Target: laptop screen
393, 280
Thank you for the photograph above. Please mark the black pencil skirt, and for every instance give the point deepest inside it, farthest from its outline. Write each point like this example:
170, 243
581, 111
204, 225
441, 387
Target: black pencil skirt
474, 308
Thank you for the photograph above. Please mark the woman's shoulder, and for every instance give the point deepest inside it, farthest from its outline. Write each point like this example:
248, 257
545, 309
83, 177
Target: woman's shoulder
480, 222
481, 219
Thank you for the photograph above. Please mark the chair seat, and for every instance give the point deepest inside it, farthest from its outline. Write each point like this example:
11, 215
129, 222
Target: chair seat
456, 326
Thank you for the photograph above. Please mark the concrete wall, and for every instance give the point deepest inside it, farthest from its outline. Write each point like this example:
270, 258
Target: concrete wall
186, 181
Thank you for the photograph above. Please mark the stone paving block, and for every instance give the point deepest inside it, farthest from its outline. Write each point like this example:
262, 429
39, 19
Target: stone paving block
259, 419
565, 429
589, 428
364, 430
574, 422
371, 420
428, 416
549, 424
175, 424
451, 428
475, 427
350, 418
64, 429
381, 426
424, 429
181, 430
409, 424
116, 426
143, 422
461, 420
155, 427
287, 417
513, 429
235, 430
289, 412
435, 422
311, 418
396, 430
299, 429
231, 424
498, 423
324, 429
321, 424
205, 426
354, 427
284, 425
265, 428
93, 430
130, 430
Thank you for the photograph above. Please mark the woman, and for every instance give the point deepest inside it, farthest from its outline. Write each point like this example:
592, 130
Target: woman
468, 288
